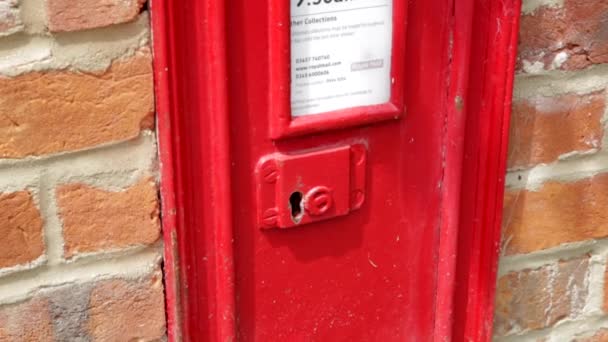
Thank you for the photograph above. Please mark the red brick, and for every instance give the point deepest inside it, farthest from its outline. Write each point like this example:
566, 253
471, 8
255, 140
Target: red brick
543, 128
68, 15
555, 214
59, 111
578, 29
96, 220
600, 336
26, 321
104, 310
9, 17
20, 229
537, 299
123, 310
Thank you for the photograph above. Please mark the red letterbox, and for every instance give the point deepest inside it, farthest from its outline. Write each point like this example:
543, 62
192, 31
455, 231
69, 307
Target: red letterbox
332, 169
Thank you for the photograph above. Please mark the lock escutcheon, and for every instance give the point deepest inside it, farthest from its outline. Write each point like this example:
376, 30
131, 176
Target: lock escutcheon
301, 188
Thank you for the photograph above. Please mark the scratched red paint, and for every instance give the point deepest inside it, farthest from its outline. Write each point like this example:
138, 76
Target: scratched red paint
384, 272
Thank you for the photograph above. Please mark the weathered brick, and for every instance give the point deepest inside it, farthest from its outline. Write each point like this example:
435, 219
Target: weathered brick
68, 15
543, 128
559, 212
21, 232
600, 336
536, 299
26, 321
576, 33
127, 311
58, 111
96, 220
9, 17
104, 310
70, 311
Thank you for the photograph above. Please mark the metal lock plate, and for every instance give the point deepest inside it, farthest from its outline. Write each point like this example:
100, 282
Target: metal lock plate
293, 190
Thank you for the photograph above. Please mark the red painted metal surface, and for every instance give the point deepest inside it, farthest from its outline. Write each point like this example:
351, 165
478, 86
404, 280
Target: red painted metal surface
456, 106
493, 52
384, 272
369, 275
192, 105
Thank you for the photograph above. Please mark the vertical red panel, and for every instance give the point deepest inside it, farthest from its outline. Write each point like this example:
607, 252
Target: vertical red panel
493, 54
454, 136
371, 275
190, 69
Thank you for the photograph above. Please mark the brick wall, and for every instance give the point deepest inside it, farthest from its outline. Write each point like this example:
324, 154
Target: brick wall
79, 227
552, 272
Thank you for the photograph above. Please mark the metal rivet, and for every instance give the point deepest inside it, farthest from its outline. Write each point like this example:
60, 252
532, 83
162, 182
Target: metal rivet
318, 201
270, 218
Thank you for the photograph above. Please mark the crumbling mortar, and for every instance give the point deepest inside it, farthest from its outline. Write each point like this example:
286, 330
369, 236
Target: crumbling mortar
125, 265
83, 51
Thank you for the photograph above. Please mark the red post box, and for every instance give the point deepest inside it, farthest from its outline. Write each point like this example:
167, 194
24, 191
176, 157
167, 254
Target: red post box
332, 170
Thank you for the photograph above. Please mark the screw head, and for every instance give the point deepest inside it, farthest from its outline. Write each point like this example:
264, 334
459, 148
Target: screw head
318, 201
270, 172
270, 218
358, 198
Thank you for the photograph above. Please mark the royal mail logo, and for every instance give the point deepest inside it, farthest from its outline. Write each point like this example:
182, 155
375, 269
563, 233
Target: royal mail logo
365, 65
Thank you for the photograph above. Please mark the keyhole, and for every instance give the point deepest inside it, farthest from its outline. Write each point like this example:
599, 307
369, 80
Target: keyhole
295, 204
